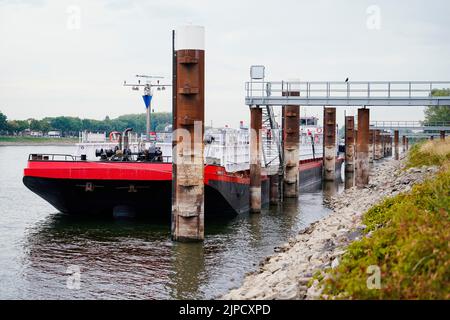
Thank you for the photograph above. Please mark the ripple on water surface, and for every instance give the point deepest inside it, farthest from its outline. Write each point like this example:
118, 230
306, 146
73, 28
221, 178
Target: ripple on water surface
129, 259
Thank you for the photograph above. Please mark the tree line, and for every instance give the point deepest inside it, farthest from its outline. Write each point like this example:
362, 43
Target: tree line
438, 113
71, 126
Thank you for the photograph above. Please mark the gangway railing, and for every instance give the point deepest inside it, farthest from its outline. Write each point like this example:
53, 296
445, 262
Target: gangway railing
421, 135
412, 125
355, 93
52, 157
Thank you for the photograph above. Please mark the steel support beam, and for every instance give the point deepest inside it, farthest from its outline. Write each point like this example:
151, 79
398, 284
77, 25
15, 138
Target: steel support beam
349, 144
291, 136
396, 145
371, 145
148, 122
391, 146
255, 159
404, 144
188, 122
274, 188
349, 180
362, 171
329, 145
378, 152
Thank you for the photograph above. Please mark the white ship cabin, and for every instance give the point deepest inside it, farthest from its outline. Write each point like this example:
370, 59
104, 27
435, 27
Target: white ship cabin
311, 138
226, 147
309, 121
229, 148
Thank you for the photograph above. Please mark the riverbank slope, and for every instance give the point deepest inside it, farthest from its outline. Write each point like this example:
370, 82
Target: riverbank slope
330, 258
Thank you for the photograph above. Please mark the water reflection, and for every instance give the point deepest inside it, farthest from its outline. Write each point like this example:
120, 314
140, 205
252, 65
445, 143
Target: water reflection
188, 260
137, 259
132, 259
289, 208
331, 188
255, 225
116, 258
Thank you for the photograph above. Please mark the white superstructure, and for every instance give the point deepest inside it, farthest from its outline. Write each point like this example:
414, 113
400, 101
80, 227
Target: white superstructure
226, 147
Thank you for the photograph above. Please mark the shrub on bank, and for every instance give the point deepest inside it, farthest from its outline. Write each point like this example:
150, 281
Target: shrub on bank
429, 153
409, 240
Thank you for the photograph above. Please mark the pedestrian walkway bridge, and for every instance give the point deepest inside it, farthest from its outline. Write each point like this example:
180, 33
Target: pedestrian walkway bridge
411, 125
419, 135
357, 93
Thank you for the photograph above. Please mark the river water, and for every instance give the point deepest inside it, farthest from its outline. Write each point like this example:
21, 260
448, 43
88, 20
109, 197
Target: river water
40, 248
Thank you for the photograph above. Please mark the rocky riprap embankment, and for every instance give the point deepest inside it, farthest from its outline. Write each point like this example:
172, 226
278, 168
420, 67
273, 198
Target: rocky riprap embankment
287, 273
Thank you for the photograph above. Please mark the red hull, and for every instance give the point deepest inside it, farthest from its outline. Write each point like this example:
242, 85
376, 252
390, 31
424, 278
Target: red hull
100, 187
84, 170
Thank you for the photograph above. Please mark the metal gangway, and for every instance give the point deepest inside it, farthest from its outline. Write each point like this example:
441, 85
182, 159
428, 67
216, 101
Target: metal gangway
354, 93
267, 94
411, 125
420, 135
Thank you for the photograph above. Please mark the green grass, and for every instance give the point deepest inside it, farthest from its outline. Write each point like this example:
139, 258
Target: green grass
36, 140
409, 243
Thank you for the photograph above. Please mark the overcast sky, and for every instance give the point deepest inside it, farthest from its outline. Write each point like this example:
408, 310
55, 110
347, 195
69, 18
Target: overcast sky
54, 62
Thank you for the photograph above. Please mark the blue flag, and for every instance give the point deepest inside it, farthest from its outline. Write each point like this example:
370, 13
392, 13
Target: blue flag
147, 100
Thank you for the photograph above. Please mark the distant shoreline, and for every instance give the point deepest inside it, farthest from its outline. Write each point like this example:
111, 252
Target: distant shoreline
31, 141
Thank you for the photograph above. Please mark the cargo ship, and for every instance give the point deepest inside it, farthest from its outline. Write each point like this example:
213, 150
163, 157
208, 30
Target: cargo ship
134, 177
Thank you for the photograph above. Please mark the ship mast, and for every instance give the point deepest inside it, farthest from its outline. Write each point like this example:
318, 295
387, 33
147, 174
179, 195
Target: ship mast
148, 95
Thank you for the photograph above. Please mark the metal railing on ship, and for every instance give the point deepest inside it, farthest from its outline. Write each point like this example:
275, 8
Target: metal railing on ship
52, 157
